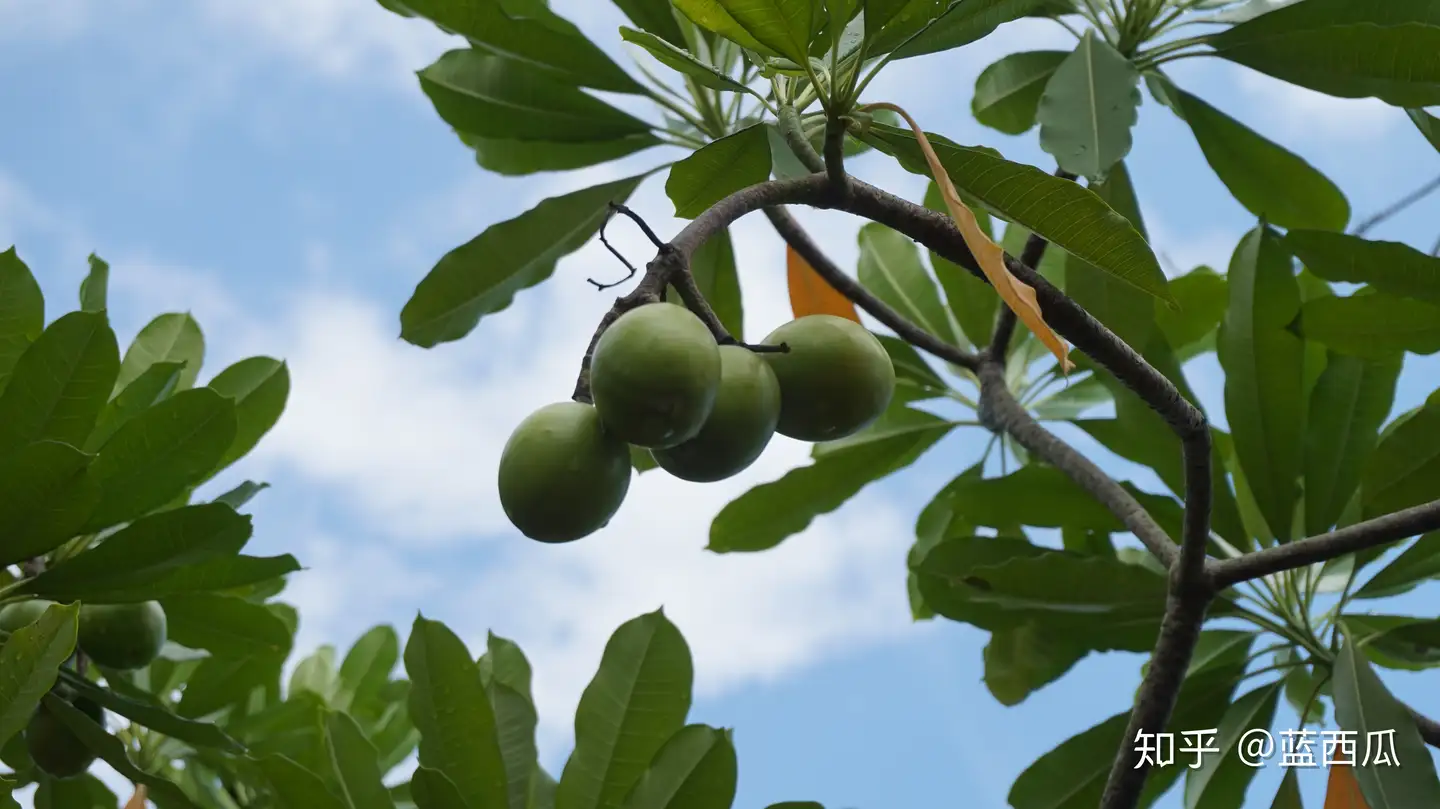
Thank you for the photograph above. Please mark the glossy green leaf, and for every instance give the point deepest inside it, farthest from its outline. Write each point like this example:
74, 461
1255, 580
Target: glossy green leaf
1069, 216
938, 520
713, 16
540, 38
637, 700
482, 276
224, 625
367, 667
1417, 564
1390, 267
1021, 660
1288, 795
1346, 49
315, 674
155, 384
518, 158
1007, 93
718, 170
1404, 470
515, 722
767, 514
237, 497
784, 26
505, 663
1372, 325
713, 266
146, 710
1428, 125
972, 302
937, 25
682, 62
1088, 107
1264, 385
1223, 778
22, 311
1125, 310
30, 660
1301, 689
143, 552
259, 387
1349, 403
890, 268
432, 790
84, 791
450, 708
1363, 705
45, 496
1202, 297
59, 385
155, 456
1271, 182
1071, 401
1037, 495
94, 288
492, 96
296, 787
915, 380
695, 769
353, 759
174, 337
112, 751
656, 17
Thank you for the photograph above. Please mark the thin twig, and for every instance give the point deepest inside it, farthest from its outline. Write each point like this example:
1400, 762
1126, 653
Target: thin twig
1400, 205
614, 208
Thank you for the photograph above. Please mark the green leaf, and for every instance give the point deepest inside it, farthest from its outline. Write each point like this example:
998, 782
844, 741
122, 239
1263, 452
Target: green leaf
539, 37
712, 15
141, 553
713, 266
718, 170
1350, 402
1288, 795
30, 661
1264, 385
175, 337
890, 268
237, 497
764, 516
505, 663
1271, 182
45, 496
946, 26
517, 158
682, 62
695, 769
1346, 49
914, 378
1088, 108
1223, 777
366, 668
94, 287
1390, 267
656, 17
1125, 310
637, 700
224, 625
154, 715
315, 674
784, 26
1037, 495
432, 790
453, 714
259, 387
1069, 216
1372, 325
1363, 705
1007, 93
60, 383
1202, 296
491, 96
353, 759
1419, 563
297, 787
157, 383
972, 302
1428, 125
1021, 660
22, 311
515, 721
482, 276
1404, 470
84, 791
157, 455
112, 751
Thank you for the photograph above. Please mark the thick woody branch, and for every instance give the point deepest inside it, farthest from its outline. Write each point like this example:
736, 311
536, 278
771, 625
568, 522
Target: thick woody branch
800, 241
1358, 537
1429, 728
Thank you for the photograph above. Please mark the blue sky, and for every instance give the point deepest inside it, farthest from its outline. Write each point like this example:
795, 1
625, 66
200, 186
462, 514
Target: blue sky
274, 169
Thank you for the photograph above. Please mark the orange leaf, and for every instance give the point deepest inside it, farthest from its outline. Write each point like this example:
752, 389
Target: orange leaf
812, 295
1343, 791
1017, 294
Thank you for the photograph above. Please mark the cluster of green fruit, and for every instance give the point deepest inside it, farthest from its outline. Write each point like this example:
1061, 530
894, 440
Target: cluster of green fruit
704, 411
115, 636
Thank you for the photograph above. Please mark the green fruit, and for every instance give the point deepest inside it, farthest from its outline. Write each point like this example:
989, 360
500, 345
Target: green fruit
562, 474
53, 747
747, 408
654, 375
835, 380
22, 614
122, 636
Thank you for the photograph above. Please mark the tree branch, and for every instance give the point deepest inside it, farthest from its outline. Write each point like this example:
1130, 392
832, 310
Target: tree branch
1358, 537
795, 236
1429, 728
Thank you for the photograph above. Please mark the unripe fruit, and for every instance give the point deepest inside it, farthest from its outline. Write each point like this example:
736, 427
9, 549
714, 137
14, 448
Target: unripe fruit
22, 614
835, 380
562, 474
56, 750
122, 636
654, 375
747, 408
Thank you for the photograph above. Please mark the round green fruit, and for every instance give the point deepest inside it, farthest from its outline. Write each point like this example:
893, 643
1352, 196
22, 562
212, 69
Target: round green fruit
654, 375
122, 636
22, 614
562, 474
747, 408
53, 747
835, 380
